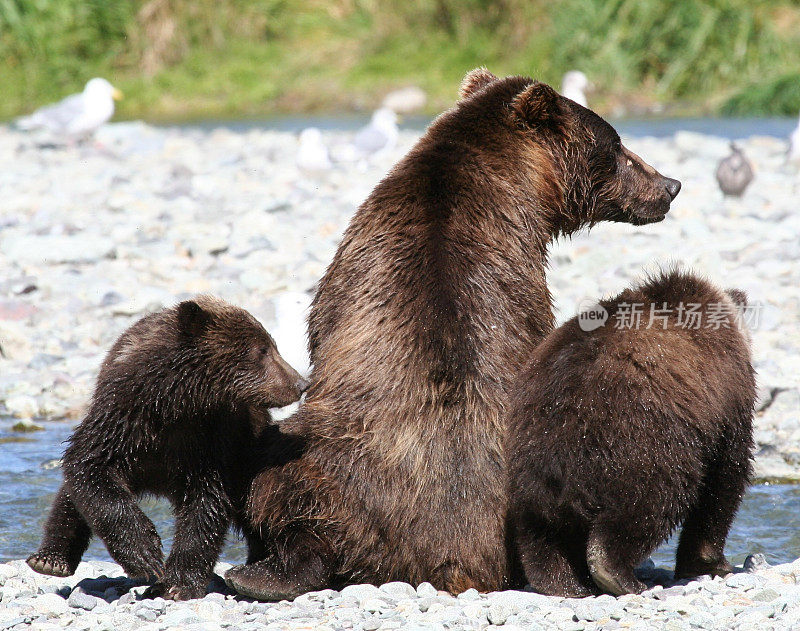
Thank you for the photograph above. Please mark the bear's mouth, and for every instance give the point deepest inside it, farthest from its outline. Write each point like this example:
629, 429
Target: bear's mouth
641, 219
650, 213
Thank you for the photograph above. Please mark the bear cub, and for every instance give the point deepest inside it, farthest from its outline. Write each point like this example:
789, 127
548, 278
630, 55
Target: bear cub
180, 400
619, 434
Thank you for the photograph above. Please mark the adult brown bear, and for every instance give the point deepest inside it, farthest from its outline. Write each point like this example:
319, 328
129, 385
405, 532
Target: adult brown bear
421, 322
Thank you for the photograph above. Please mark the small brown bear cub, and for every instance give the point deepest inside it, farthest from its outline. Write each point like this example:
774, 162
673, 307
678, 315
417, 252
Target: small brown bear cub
180, 400
619, 434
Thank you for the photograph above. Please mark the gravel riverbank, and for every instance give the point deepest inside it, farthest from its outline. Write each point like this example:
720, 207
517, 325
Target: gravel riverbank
92, 237
98, 597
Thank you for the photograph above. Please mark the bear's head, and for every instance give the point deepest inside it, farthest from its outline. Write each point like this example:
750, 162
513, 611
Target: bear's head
573, 160
244, 363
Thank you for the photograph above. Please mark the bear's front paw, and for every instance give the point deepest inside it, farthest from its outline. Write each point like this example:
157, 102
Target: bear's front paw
51, 563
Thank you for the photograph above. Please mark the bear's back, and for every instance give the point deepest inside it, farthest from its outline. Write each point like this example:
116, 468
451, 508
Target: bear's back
663, 368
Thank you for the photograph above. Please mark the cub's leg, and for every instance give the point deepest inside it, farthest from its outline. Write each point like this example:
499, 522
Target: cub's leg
701, 547
300, 561
113, 514
66, 537
554, 565
202, 517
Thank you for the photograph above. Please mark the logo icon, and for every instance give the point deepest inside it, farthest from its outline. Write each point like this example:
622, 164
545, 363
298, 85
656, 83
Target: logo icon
591, 315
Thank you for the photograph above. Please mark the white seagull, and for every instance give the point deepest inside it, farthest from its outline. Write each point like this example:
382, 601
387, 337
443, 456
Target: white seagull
574, 86
77, 115
312, 154
380, 135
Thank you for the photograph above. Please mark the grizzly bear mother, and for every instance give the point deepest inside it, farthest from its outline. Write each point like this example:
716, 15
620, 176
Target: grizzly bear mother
434, 299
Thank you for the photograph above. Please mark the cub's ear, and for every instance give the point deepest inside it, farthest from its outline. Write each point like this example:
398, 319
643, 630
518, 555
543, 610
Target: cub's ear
192, 319
538, 104
474, 80
738, 296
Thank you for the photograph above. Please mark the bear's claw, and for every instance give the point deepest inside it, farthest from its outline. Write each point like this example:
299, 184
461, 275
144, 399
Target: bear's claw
50, 564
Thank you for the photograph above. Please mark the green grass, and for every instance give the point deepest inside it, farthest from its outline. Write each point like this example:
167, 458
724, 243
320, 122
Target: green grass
770, 96
182, 59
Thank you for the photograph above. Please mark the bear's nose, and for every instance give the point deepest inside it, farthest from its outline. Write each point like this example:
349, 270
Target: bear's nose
673, 187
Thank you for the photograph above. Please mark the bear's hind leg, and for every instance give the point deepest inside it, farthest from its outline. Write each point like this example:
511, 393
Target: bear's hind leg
66, 537
701, 547
299, 563
554, 565
114, 515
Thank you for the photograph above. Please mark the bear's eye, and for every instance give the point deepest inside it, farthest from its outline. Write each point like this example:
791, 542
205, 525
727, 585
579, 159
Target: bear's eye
628, 162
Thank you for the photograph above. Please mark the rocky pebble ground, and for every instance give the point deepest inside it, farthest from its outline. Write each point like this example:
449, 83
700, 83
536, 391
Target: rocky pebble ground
757, 597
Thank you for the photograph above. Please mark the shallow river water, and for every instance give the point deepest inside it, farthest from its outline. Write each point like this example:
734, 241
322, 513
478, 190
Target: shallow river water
731, 128
768, 522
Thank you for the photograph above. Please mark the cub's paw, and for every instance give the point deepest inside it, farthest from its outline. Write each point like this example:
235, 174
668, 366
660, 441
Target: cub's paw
611, 580
52, 564
174, 592
614, 583
259, 581
185, 592
701, 567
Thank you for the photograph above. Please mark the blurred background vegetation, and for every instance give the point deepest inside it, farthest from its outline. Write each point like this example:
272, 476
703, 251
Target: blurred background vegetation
185, 59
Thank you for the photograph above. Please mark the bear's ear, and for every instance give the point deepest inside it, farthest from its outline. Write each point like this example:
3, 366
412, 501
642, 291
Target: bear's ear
538, 104
738, 297
474, 80
193, 320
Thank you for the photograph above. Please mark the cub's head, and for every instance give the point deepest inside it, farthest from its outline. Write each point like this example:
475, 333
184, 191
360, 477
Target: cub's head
236, 353
569, 151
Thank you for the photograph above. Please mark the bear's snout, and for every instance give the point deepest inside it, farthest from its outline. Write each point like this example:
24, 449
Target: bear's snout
673, 187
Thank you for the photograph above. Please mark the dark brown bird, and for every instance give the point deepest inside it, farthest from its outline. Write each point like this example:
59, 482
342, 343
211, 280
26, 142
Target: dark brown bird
734, 173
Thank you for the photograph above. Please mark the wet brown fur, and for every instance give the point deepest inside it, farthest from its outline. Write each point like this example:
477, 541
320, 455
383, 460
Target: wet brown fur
617, 436
419, 326
180, 399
